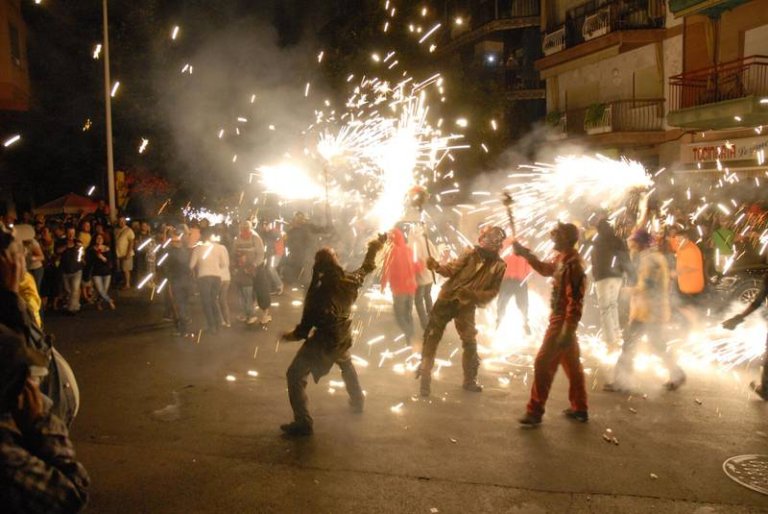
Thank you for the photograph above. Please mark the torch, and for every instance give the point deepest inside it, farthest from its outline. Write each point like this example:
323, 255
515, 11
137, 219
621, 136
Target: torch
508, 201
418, 196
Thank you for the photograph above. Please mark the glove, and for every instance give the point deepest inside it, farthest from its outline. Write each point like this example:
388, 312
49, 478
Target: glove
375, 244
566, 338
520, 250
432, 264
733, 322
290, 336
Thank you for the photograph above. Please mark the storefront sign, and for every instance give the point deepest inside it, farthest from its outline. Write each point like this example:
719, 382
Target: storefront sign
724, 150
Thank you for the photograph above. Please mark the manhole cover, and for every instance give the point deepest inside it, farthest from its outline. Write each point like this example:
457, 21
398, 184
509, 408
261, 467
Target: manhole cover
749, 470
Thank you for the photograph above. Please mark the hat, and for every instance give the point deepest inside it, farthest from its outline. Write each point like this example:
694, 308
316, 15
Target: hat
17, 362
641, 237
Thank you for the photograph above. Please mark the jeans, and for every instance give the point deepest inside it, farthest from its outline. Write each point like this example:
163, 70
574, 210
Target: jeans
657, 343
512, 287
101, 283
246, 300
223, 301
608, 290
209, 297
299, 371
423, 301
37, 274
71, 283
403, 307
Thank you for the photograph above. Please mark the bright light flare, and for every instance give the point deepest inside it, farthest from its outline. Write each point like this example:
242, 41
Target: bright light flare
289, 181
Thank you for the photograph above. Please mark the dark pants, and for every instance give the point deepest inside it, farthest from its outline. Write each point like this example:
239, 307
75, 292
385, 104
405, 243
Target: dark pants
300, 369
512, 287
423, 301
209, 297
261, 288
403, 307
658, 344
550, 356
463, 317
178, 294
764, 380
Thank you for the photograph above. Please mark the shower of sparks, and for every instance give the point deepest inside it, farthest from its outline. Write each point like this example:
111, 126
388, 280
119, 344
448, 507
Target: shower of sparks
387, 143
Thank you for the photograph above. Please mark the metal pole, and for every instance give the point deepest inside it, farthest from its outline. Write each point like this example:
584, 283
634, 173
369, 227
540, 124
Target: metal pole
108, 110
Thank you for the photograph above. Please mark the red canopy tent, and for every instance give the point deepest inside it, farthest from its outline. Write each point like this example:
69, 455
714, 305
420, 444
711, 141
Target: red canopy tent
67, 204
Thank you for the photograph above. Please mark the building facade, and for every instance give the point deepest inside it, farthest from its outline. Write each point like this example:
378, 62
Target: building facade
720, 97
14, 67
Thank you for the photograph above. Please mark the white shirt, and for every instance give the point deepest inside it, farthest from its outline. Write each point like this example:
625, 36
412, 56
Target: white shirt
210, 260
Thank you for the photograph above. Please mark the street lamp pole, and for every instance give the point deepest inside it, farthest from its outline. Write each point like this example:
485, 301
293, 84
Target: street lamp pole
108, 110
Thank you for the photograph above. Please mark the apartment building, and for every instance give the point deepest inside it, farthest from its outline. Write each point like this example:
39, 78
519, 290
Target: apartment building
720, 97
498, 41
606, 65
14, 69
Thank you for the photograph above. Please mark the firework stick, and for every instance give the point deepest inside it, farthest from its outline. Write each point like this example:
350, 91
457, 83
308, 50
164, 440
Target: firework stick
508, 201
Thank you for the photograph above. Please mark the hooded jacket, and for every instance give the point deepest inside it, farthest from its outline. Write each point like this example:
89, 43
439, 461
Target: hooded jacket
610, 256
569, 285
399, 269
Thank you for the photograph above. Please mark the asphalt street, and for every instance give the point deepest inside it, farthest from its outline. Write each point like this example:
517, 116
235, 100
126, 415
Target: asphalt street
162, 430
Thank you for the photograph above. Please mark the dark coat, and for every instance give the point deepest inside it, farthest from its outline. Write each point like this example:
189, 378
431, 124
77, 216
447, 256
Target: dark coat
610, 256
327, 309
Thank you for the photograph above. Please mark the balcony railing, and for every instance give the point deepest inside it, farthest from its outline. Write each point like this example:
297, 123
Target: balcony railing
485, 12
727, 81
634, 115
554, 41
598, 18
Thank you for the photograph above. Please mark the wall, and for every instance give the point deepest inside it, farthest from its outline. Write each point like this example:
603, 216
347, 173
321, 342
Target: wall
14, 77
612, 79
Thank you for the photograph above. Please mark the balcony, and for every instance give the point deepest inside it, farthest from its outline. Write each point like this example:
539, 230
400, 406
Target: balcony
517, 82
611, 29
487, 18
724, 96
632, 121
711, 8
554, 41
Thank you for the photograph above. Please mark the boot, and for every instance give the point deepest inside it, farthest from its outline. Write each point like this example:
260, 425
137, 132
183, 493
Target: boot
425, 387
471, 363
296, 429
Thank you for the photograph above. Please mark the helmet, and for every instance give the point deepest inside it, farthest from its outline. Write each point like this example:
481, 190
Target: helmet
491, 238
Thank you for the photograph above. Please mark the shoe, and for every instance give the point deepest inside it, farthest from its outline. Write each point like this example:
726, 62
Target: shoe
472, 387
242, 318
112, 305
760, 390
226, 324
356, 406
674, 385
530, 420
577, 415
165, 318
297, 429
265, 318
251, 320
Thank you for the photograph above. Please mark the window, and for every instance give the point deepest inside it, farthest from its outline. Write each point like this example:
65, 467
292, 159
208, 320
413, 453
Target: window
15, 44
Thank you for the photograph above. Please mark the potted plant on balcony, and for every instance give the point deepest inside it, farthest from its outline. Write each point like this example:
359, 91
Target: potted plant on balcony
555, 120
597, 119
